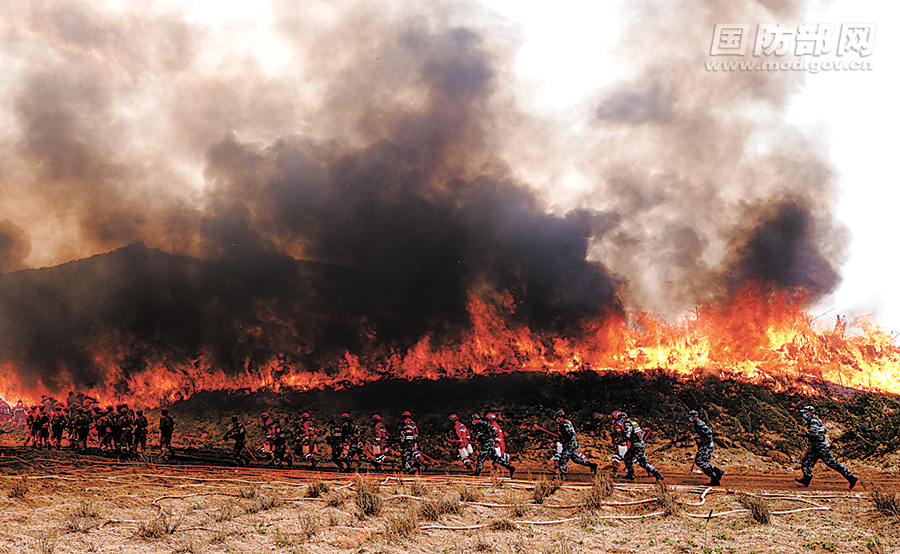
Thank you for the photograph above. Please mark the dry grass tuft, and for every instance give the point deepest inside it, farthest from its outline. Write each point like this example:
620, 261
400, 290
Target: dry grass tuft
265, 502
226, 511
759, 508
187, 545
401, 525
875, 546
544, 489
158, 528
666, 498
368, 504
82, 517
19, 488
416, 487
601, 489
316, 489
361, 484
502, 525
45, 545
432, 510
336, 500
886, 501
469, 493
248, 493
309, 526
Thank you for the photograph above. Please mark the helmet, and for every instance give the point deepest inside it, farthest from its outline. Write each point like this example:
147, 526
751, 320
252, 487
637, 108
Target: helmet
490, 415
618, 415
476, 417
807, 411
406, 414
559, 414
164, 411
264, 415
345, 415
234, 419
692, 414
453, 417
304, 415
376, 417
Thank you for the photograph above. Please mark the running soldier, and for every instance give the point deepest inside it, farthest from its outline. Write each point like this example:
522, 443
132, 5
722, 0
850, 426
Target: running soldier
566, 433
382, 442
140, 431
819, 449
280, 452
409, 453
82, 427
704, 438
461, 440
57, 425
352, 450
630, 431
308, 440
166, 428
486, 436
238, 434
336, 443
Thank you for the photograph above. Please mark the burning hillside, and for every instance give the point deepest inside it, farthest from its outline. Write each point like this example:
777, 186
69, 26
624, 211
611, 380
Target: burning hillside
382, 205
160, 328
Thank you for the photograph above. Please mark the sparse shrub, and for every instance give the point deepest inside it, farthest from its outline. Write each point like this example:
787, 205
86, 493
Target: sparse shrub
502, 525
886, 501
481, 545
601, 489
187, 545
516, 508
543, 489
82, 517
85, 508
759, 508
666, 498
401, 524
281, 538
316, 489
19, 488
368, 503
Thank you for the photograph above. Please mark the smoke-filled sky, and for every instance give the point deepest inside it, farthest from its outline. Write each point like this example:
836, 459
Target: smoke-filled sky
582, 158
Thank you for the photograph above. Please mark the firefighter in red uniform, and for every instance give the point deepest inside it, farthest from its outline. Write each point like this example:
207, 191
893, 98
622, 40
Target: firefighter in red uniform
461, 440
19, 414
382, 442
268, 446
500, 443
5, 411
308, 440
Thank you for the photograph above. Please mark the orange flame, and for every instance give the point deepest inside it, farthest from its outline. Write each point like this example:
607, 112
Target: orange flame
756, 338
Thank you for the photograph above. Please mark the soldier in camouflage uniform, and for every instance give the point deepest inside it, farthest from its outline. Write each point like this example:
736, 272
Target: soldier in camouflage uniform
705, 445
630, 431
566, 433
486, 436
819, 449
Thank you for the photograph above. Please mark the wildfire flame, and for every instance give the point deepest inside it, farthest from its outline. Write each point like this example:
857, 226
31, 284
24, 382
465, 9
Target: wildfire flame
760, 338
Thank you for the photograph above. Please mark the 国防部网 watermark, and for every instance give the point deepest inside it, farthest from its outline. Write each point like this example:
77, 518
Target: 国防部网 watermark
848, 47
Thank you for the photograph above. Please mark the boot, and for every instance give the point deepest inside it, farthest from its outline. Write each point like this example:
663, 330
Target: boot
853, 479
716, 479
803, 480
659, 476
629, 476
512, 470
593, 467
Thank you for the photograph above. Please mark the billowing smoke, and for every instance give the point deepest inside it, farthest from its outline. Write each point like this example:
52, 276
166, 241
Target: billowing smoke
348, 183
